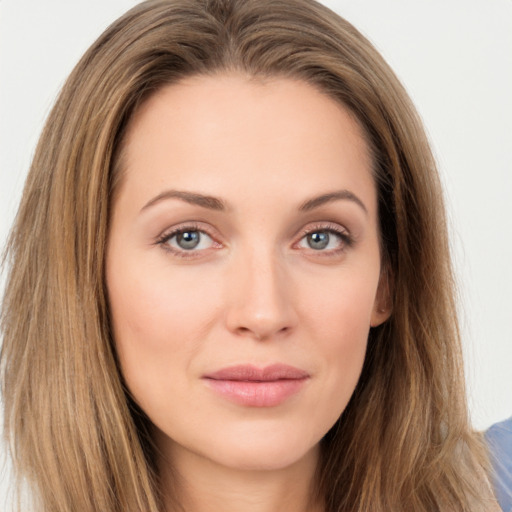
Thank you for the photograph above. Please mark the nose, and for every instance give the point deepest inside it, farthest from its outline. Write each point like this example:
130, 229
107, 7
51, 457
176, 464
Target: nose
261, 304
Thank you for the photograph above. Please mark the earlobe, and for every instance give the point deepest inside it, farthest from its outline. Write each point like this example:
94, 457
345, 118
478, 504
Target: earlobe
379, 316
383, 306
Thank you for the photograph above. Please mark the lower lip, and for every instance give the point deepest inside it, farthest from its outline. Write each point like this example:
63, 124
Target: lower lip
256, 393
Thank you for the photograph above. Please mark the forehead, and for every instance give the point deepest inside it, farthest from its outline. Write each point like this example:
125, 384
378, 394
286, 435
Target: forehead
287, 103
231, 129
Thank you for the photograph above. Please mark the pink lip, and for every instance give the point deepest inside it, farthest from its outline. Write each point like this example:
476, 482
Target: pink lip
257, 387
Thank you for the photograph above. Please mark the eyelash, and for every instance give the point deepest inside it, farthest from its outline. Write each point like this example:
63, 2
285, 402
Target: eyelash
168, 235
346, 239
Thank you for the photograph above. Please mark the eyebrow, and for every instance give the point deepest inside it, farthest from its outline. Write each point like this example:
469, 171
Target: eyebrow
318, 201
214, 203
210, 202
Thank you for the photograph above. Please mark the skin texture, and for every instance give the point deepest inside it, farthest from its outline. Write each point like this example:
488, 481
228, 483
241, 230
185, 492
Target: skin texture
255, 290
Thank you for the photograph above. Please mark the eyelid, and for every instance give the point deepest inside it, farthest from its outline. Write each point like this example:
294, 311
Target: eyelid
183, 227
339, 230
342, 232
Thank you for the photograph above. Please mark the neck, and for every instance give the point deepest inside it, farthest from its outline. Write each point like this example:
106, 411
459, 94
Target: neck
201, 485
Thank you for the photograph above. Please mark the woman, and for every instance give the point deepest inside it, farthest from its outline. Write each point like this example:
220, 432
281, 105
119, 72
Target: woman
240, 289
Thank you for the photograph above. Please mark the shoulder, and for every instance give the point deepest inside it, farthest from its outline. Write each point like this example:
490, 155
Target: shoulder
500, 435
499, 440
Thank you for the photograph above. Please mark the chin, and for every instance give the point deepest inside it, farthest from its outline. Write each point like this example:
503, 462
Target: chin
261, 451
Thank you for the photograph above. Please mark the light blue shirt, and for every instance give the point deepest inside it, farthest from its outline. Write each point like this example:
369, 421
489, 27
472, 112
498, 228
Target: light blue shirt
499, 439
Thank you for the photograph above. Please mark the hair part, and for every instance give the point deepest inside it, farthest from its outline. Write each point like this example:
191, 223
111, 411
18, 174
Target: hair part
403, 442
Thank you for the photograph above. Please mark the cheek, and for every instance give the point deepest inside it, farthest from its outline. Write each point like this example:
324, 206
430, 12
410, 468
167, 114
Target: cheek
158, 323
341, 306
146, 299
339, 325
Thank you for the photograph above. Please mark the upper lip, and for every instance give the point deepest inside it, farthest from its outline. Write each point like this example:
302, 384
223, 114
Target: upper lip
251, 373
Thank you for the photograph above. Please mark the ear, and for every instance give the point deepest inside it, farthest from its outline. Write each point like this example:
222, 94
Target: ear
383, 305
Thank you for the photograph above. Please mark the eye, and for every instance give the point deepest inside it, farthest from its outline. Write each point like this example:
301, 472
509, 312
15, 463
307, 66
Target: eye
187, 239
325, 239
319, 240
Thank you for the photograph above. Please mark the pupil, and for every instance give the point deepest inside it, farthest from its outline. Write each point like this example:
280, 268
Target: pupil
188, 239
318, 240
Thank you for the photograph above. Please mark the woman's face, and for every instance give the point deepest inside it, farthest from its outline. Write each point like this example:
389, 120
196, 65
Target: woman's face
243, 267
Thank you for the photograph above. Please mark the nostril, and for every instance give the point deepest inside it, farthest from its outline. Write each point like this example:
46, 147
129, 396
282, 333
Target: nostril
254, 333
261, 334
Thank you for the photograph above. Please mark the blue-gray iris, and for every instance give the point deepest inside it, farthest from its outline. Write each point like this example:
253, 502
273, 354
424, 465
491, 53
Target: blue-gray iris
318, 240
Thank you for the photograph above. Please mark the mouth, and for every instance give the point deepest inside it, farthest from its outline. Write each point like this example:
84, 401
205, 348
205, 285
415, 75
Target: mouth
250, 386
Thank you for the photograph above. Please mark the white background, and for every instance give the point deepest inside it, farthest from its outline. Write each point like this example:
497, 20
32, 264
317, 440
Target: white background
455, 59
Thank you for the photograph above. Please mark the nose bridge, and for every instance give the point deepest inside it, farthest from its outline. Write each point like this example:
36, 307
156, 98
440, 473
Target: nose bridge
260, 292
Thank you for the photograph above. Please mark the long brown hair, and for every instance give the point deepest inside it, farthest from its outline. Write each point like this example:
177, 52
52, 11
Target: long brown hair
404, 441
